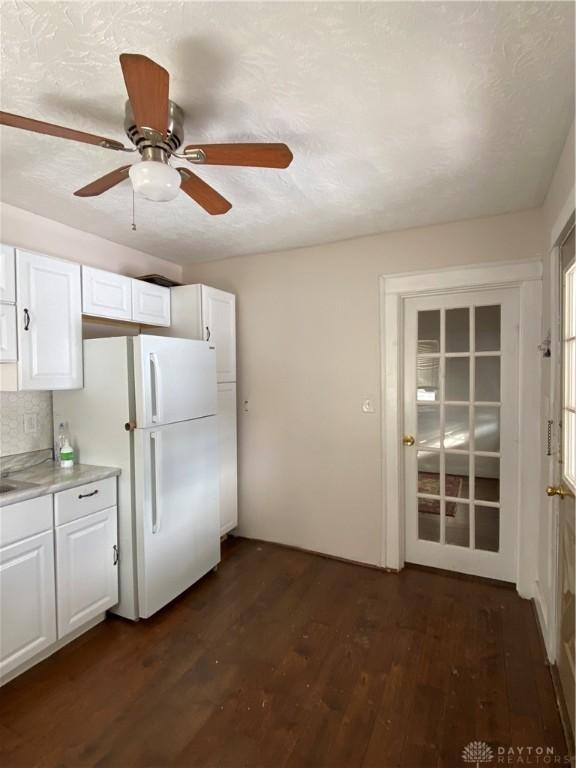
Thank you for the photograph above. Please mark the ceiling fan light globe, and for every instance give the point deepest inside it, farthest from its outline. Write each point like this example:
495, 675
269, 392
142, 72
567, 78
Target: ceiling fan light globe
155, 181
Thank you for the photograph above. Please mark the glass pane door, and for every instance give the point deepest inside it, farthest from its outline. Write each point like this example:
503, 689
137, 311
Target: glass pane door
454, 402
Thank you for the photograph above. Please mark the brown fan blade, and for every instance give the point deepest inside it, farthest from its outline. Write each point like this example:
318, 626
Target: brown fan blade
37, 126
255, 155
203, 193
147, 85
104, 182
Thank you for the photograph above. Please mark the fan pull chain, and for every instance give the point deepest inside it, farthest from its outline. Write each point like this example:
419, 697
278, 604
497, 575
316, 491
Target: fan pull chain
133, 213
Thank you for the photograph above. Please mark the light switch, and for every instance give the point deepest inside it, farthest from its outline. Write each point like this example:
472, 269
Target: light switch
30, 423
368, 406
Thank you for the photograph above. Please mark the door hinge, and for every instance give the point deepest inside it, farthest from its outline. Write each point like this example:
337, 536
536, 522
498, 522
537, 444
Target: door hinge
549, 438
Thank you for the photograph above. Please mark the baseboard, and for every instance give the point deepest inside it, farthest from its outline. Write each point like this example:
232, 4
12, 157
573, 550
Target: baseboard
463, 576
541, 610
319, 554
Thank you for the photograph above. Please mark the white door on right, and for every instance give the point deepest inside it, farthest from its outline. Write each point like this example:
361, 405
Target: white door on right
219, 320
461, 431
567, 475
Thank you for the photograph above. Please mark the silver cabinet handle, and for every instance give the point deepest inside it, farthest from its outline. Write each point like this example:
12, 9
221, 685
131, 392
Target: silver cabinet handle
26, 320
155, 387
154, 483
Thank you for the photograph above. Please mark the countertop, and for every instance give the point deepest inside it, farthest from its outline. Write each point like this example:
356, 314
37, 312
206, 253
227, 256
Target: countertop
49, 477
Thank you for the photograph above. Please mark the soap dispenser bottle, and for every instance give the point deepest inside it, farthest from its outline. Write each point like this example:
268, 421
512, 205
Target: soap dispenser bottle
66, 455
65, 450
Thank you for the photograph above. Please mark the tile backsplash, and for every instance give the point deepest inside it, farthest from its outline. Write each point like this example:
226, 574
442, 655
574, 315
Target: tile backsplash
25, 422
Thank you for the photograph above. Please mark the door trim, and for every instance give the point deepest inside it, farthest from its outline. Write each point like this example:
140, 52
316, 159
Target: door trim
394, 289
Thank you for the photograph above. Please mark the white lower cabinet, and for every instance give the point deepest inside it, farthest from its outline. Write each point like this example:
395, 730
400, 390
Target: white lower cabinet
227, 457
27, 600
86, 568
55, 581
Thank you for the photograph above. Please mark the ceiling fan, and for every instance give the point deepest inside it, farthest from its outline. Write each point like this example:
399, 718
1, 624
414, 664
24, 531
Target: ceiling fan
154, 125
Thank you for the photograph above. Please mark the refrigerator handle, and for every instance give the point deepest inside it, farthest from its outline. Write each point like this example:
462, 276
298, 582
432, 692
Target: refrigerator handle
154, 387
156, 509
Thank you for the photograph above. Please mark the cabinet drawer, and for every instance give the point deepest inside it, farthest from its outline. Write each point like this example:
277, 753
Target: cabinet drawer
25, 518
106, 294
8, 349
83, 500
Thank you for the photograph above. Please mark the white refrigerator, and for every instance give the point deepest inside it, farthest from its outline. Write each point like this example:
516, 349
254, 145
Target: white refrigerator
149, 406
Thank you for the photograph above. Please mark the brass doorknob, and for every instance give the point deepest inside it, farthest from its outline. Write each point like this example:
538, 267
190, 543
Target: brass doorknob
408, 440
558, 490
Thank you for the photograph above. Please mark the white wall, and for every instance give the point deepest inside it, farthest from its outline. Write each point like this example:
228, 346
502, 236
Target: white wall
36, 233
309, 354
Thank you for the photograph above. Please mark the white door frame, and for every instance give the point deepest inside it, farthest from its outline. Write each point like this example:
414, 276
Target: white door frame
394, 289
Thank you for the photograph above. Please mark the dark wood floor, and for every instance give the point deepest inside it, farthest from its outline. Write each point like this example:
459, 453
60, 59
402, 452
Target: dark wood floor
284, 658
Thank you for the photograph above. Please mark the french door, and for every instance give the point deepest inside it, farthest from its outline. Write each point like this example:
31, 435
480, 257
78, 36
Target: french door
461, 431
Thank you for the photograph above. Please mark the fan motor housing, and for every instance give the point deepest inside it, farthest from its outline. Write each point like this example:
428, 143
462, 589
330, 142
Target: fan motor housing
148, 139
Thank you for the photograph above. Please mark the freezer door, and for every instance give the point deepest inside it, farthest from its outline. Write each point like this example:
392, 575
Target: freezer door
175, 380
178, 536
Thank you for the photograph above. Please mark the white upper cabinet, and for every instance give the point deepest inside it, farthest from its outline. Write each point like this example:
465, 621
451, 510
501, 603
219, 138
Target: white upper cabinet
49, 322
219, 328
150, 303
202, 312
106, 294
7, 274
8, 345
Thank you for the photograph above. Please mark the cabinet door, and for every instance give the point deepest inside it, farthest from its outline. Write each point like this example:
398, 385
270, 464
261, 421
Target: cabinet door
106, 294
49, 322
27, 600
219, 321
7, 274
228, 469
8, 349
150, 303
86, 569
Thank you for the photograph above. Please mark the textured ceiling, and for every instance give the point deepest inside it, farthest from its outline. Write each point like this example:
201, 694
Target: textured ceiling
398, 114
